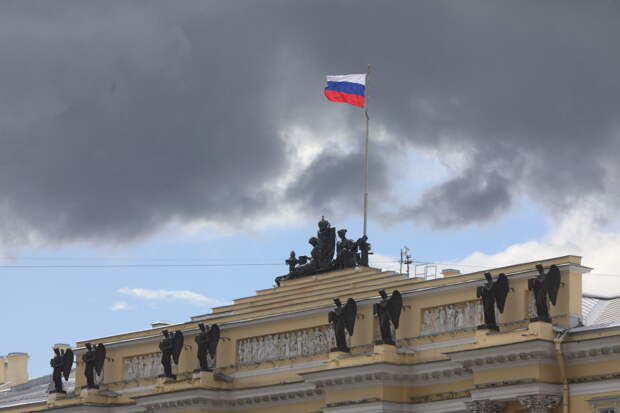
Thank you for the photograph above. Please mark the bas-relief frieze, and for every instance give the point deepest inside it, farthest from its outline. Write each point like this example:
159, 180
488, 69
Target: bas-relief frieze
286, 345
143, 366
451, 317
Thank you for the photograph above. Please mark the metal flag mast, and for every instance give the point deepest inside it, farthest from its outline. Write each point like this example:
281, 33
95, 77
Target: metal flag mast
366, 155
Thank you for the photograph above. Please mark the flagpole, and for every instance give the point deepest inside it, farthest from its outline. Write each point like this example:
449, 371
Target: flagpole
366, 156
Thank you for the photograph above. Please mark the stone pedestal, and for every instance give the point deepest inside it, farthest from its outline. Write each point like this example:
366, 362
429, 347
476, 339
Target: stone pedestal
541, 329
53, 397
94, 396
386, 352
336, 355
484, 406
540, 403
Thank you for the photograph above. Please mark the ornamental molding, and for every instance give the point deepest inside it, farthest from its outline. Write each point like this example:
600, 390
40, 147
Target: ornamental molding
513, 392
445, 371
540, 403
595, 387
507, 355
196, 399
437, 345
279, 369
370, 406
592, 351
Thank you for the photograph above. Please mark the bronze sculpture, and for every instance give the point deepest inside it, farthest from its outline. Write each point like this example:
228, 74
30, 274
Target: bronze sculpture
388, 310
207, 344
349, 253
545, 285
364, 248
492, 293
326, 245
93, 362
292, 261
61, 365
343, 318
346, 251
170, 346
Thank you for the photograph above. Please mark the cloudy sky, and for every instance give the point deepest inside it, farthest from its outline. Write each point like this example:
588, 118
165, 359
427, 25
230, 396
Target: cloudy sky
145, 135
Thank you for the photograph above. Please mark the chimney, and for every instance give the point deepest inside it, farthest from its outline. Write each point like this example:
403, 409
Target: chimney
17, 368
4, 364
450, 272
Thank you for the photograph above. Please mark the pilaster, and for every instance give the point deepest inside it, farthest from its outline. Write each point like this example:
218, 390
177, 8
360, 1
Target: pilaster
540, 403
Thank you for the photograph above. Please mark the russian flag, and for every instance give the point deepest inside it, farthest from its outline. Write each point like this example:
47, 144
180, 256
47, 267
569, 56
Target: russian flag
347, 89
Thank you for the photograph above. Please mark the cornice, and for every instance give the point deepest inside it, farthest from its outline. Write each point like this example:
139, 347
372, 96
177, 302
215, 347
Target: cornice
242, 399
506, 355
592, 350
437, 372
279, 369
512, 392
600, 383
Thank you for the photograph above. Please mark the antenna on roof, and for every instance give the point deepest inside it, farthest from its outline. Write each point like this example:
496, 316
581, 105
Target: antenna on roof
405, 258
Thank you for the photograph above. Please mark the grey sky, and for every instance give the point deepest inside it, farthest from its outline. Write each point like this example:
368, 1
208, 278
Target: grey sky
118, 117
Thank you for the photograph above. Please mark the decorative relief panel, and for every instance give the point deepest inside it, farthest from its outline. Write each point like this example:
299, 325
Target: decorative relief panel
144, 366
287, 345
451, 317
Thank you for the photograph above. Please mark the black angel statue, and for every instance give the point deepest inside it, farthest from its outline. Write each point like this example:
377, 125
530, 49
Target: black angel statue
61, 363
343, 318
170, 346
388, 310
493, 293
545, 285
93, 363
207, 344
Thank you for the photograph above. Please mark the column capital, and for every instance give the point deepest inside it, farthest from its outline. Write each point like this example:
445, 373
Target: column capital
540, 403
484, 406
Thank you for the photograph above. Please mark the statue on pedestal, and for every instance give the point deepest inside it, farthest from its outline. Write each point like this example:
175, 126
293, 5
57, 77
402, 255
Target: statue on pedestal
343, 318
61, 365
388, 310
492, 293
93, 362
545, 285
207, 344
170, 346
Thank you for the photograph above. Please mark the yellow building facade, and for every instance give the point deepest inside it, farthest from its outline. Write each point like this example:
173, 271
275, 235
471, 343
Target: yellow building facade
274, 353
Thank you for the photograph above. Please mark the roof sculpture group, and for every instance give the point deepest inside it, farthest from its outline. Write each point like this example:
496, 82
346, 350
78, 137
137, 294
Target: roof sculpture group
492, 294
349, 253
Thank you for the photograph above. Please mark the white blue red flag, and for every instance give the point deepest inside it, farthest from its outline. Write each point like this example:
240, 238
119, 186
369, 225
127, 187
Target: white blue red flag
346, 88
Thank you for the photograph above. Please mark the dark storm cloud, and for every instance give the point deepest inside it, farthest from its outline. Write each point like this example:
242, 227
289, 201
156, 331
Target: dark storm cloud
117, 118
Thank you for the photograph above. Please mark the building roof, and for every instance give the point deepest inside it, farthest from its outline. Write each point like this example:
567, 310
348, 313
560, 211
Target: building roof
33, 391
597, 310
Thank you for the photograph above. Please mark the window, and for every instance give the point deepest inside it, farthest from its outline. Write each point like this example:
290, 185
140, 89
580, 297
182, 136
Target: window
606, 410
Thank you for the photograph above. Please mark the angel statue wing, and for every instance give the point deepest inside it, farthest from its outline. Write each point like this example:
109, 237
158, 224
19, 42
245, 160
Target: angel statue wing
500, 288
213, 339
67, 363
394, 306
552, 283
177, 346
99, 358
349, 311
